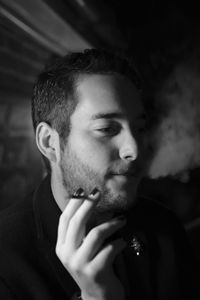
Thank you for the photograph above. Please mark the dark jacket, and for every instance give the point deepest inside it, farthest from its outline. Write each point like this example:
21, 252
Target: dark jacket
30, 269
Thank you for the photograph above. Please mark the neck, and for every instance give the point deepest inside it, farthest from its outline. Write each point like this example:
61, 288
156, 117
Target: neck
60, 194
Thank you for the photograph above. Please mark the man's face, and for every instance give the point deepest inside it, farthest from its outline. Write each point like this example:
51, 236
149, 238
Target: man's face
103, 147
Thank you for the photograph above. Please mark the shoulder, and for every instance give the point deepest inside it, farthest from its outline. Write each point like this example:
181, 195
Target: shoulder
15, 224
16, 210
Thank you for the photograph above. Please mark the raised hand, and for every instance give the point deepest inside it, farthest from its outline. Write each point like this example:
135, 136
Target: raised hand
87, 257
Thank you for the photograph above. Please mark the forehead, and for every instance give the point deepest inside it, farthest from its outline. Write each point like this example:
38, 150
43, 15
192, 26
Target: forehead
107, 94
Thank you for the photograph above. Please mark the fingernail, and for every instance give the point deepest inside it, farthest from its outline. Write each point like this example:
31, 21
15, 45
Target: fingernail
94, 192
78, 193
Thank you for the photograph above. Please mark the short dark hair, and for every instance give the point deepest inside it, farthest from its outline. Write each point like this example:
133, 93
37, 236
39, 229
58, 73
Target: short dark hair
54, 99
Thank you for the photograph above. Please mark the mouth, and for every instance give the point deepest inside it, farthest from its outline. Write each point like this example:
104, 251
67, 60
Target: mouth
126, 174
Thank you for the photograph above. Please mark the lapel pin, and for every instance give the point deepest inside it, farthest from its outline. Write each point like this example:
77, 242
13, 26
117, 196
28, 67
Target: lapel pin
137, 246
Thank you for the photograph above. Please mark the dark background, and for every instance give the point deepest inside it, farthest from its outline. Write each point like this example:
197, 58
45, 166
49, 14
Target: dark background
157, 34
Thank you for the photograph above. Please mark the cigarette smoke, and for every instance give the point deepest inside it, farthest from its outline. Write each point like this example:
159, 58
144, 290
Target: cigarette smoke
177, 137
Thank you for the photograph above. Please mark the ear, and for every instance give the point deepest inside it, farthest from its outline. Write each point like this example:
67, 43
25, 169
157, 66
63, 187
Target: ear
48, 142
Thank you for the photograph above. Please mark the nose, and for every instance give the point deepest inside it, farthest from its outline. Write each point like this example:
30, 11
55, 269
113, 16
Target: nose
129, 148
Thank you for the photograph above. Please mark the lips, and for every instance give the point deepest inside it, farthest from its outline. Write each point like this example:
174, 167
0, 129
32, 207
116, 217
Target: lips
126, 171
127, 174
125, 177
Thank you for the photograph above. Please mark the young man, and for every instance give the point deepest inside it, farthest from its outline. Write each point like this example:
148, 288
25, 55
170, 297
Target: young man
85, 233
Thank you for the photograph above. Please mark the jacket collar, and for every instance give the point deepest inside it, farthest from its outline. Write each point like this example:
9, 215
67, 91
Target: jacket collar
47, 213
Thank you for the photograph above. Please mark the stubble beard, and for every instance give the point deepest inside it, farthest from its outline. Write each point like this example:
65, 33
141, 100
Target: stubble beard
76, 174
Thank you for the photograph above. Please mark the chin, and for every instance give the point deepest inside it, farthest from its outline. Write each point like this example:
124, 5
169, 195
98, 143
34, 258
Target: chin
116, 202
127, 195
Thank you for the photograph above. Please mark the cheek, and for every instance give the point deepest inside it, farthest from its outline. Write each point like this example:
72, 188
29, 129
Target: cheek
93, 151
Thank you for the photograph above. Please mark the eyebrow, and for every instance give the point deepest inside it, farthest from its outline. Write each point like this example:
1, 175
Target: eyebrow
107, 116
117, 115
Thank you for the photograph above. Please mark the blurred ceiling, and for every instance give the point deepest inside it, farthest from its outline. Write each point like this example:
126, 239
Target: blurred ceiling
32, 32
130, 26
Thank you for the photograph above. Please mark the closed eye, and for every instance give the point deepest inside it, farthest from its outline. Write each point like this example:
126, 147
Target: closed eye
109, 130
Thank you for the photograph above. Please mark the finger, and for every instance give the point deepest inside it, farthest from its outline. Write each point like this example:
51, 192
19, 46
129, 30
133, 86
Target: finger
66, 216
107, 255
97, 236
76, 228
